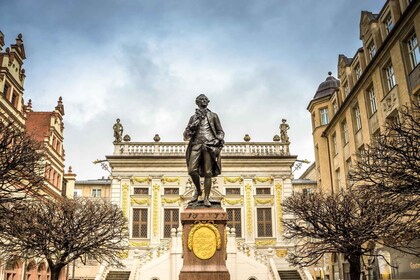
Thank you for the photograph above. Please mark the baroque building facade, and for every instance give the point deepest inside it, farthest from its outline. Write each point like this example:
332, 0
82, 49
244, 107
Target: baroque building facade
348, 112
150, 182
46, 128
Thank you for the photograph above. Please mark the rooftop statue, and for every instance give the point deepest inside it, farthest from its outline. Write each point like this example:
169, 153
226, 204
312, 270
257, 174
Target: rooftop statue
118, 131
205, 135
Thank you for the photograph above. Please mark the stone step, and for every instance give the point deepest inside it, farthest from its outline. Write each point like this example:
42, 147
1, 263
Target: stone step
118, 275
289, 275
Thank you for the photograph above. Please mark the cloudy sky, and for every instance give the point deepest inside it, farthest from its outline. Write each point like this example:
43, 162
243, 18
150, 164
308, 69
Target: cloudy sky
145, 61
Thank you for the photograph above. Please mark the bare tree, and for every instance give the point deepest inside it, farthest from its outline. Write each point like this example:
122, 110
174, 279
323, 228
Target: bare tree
64, 230
21, 163
391, 165
345, 223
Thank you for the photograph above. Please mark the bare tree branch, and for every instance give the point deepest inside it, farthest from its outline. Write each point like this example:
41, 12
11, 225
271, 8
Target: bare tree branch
64, 230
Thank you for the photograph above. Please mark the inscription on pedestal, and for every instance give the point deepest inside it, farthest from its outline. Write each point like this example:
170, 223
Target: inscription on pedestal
204, 240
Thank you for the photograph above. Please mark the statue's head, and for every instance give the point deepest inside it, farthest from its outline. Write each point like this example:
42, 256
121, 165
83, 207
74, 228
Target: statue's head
202, 101
118, 120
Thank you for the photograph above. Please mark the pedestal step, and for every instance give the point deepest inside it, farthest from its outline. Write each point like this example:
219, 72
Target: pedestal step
289, 275
118, 275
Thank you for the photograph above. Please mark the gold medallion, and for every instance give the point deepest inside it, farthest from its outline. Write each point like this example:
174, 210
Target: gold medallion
204, 239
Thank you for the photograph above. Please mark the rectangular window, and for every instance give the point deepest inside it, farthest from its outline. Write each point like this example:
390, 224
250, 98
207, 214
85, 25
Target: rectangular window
357, 118
77, 193
338, 176
372, 100
6, 90
345, 132
171, 191
371, 50
388, 23
14, 99
324, 116
264, 223
139, 223
233, 191
170, 221
234, 220
390, 76
348, 169
358, 71
335, 147
263, 190
141, 191
96, 192
413, 51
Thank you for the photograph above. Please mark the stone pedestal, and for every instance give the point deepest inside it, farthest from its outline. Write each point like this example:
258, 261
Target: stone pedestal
204, 244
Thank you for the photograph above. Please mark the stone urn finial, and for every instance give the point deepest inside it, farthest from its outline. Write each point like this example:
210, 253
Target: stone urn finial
276, 138
156, 138
247, 138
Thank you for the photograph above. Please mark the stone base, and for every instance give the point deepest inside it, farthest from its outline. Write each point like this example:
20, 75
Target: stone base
204, 244
204, 276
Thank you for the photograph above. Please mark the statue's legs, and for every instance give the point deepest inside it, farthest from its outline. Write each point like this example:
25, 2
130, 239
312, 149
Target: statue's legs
207, 162
193, 167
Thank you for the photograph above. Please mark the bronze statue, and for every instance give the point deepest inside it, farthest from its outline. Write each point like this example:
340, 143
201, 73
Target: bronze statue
118, 131
203, 153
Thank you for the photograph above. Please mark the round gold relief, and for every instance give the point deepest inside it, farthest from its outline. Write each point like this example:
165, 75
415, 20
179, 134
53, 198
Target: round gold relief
204, 243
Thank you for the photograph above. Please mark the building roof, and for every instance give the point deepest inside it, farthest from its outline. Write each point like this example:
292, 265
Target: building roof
94, 182
328, 87
38, 124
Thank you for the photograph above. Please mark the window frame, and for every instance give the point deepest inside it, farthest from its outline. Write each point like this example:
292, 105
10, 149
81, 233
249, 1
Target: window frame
390, 76
265, 221
389, 23
357, 117
323, 116
234, 223
140, 223
371, 50
413, 50
171, 222
345, 131
371, 96
94, 192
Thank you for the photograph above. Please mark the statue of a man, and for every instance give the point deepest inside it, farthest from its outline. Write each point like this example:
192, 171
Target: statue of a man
203, 153
284, 127
118, 131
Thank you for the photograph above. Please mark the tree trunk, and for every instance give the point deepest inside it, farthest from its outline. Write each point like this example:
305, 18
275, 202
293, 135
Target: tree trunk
55, 272
355, 267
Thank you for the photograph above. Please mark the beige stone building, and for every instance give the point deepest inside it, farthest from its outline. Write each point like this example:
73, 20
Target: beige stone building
348, 112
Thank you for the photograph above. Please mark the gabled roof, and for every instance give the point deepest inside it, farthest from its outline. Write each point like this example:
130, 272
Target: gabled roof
38, 124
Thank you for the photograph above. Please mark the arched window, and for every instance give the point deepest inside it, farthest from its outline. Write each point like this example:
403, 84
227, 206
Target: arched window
31, 271
12, 270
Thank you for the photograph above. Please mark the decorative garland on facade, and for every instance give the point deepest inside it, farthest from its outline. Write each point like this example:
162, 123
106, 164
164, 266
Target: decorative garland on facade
238, 179
171, 180
233, 201
263, 180
141, 180
166, 200
139, 243
140, 201
259, 201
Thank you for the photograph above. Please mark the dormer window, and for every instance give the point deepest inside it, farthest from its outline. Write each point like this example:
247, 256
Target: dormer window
14, 100
371, 50
388, 23
6, 90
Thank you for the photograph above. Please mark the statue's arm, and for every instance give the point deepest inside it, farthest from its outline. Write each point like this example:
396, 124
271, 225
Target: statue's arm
220, 134
189, 132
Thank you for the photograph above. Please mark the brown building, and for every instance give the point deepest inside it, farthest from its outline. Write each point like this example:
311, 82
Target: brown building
45, 127
348, 112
